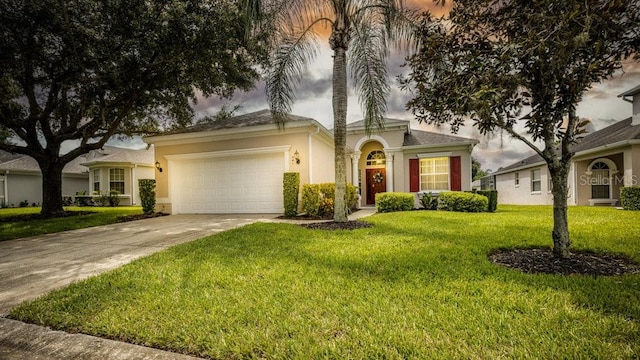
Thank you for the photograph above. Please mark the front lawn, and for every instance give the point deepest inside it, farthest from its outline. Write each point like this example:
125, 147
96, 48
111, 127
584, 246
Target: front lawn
19, 228
416, 285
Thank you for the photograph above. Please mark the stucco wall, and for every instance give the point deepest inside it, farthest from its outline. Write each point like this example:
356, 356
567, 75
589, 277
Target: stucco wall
322, 162
510, 193
584, 181
465, 164
72, 185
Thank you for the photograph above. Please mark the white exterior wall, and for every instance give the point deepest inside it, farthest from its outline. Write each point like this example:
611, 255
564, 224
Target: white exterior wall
511, 194
322, 161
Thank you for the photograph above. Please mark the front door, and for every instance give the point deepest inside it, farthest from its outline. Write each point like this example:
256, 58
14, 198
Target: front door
376, 183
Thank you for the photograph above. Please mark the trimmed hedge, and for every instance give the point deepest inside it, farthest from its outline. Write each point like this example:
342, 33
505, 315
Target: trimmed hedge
394, 201
318, 199
492, 196
290, 190
147, 189
630, 197
462, 202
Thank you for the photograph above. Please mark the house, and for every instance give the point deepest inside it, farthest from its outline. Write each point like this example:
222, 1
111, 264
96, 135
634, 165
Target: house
103, 170
118, 169
604, 161
21, 179
235, 165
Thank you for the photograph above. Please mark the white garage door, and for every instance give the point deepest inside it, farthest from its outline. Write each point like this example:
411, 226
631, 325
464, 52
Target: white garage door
233, 184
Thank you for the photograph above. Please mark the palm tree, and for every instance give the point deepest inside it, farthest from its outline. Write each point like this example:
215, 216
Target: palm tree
360, 32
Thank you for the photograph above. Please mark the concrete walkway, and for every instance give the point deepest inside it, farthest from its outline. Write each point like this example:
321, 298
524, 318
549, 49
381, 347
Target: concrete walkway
31, 267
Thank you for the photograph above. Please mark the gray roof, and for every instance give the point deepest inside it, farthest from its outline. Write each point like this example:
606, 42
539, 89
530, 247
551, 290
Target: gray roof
619, 132
112, 154
418, 137
262, 117
6, 156
29, 164
358, 125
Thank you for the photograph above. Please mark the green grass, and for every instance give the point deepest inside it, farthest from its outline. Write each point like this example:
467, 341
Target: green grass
19, 229
417, 285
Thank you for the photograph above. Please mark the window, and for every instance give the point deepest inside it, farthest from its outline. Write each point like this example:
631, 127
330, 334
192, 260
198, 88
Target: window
434, 174
96, 180
376, 157
536, 183
517, 179
116, 180
600, 181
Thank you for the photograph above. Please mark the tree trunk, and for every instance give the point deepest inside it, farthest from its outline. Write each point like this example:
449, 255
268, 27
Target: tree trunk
340, 132
560, 233
51, 188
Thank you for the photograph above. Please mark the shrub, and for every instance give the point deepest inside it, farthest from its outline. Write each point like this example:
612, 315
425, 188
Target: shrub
147, 189
462, 201
394, 201
630, 197
319, 199
290, 190
492, 196
24, 203
67, 201
428, 201
113, 198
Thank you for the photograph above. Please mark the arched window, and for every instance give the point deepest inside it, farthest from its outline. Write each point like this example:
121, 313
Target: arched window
376, 157
600, 180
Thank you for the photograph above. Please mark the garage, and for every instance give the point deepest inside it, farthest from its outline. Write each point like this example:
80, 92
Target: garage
225, 182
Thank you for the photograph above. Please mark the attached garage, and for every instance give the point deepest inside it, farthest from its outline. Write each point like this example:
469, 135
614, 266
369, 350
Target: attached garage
246, 181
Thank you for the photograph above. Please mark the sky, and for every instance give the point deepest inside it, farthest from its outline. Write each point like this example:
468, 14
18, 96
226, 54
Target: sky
601, 104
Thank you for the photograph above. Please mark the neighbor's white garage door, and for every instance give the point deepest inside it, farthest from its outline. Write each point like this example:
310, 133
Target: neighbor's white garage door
234, 184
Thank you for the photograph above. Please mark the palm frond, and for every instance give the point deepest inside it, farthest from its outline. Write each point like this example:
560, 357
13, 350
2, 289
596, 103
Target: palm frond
368, 58
296, 49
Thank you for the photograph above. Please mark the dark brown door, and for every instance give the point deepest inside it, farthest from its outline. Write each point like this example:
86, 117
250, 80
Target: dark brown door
376, 182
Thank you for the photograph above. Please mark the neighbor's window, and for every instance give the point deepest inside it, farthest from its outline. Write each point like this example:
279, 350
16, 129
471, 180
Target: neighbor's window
536, 183
517, 179
116, 180
96, 180
434, 174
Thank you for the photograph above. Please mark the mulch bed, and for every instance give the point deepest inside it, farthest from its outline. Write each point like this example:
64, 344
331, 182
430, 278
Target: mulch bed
542, 261
332, 225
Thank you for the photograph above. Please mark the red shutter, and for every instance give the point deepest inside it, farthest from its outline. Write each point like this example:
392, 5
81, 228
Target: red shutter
456, 173
414, 175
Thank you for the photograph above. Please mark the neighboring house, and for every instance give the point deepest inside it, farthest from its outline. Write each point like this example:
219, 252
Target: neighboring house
604, 161
235, 165
119, 169
21, 179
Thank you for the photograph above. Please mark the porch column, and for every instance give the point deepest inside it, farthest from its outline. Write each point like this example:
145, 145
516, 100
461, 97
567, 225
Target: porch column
389, 160
355, 159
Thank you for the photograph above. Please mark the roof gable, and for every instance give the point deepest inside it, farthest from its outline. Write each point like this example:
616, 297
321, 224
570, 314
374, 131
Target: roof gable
423, 138
262, 117
112, 154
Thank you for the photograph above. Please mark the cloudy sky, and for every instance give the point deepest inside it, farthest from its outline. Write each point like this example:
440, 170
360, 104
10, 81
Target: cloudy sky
600, 104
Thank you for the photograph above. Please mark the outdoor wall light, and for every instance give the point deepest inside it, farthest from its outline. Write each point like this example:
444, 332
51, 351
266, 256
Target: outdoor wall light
296, 157
158, 166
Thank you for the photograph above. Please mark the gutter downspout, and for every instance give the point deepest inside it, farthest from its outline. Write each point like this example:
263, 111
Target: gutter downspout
310, 152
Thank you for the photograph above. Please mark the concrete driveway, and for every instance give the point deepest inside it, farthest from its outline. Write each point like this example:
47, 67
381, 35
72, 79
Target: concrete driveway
31, 267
